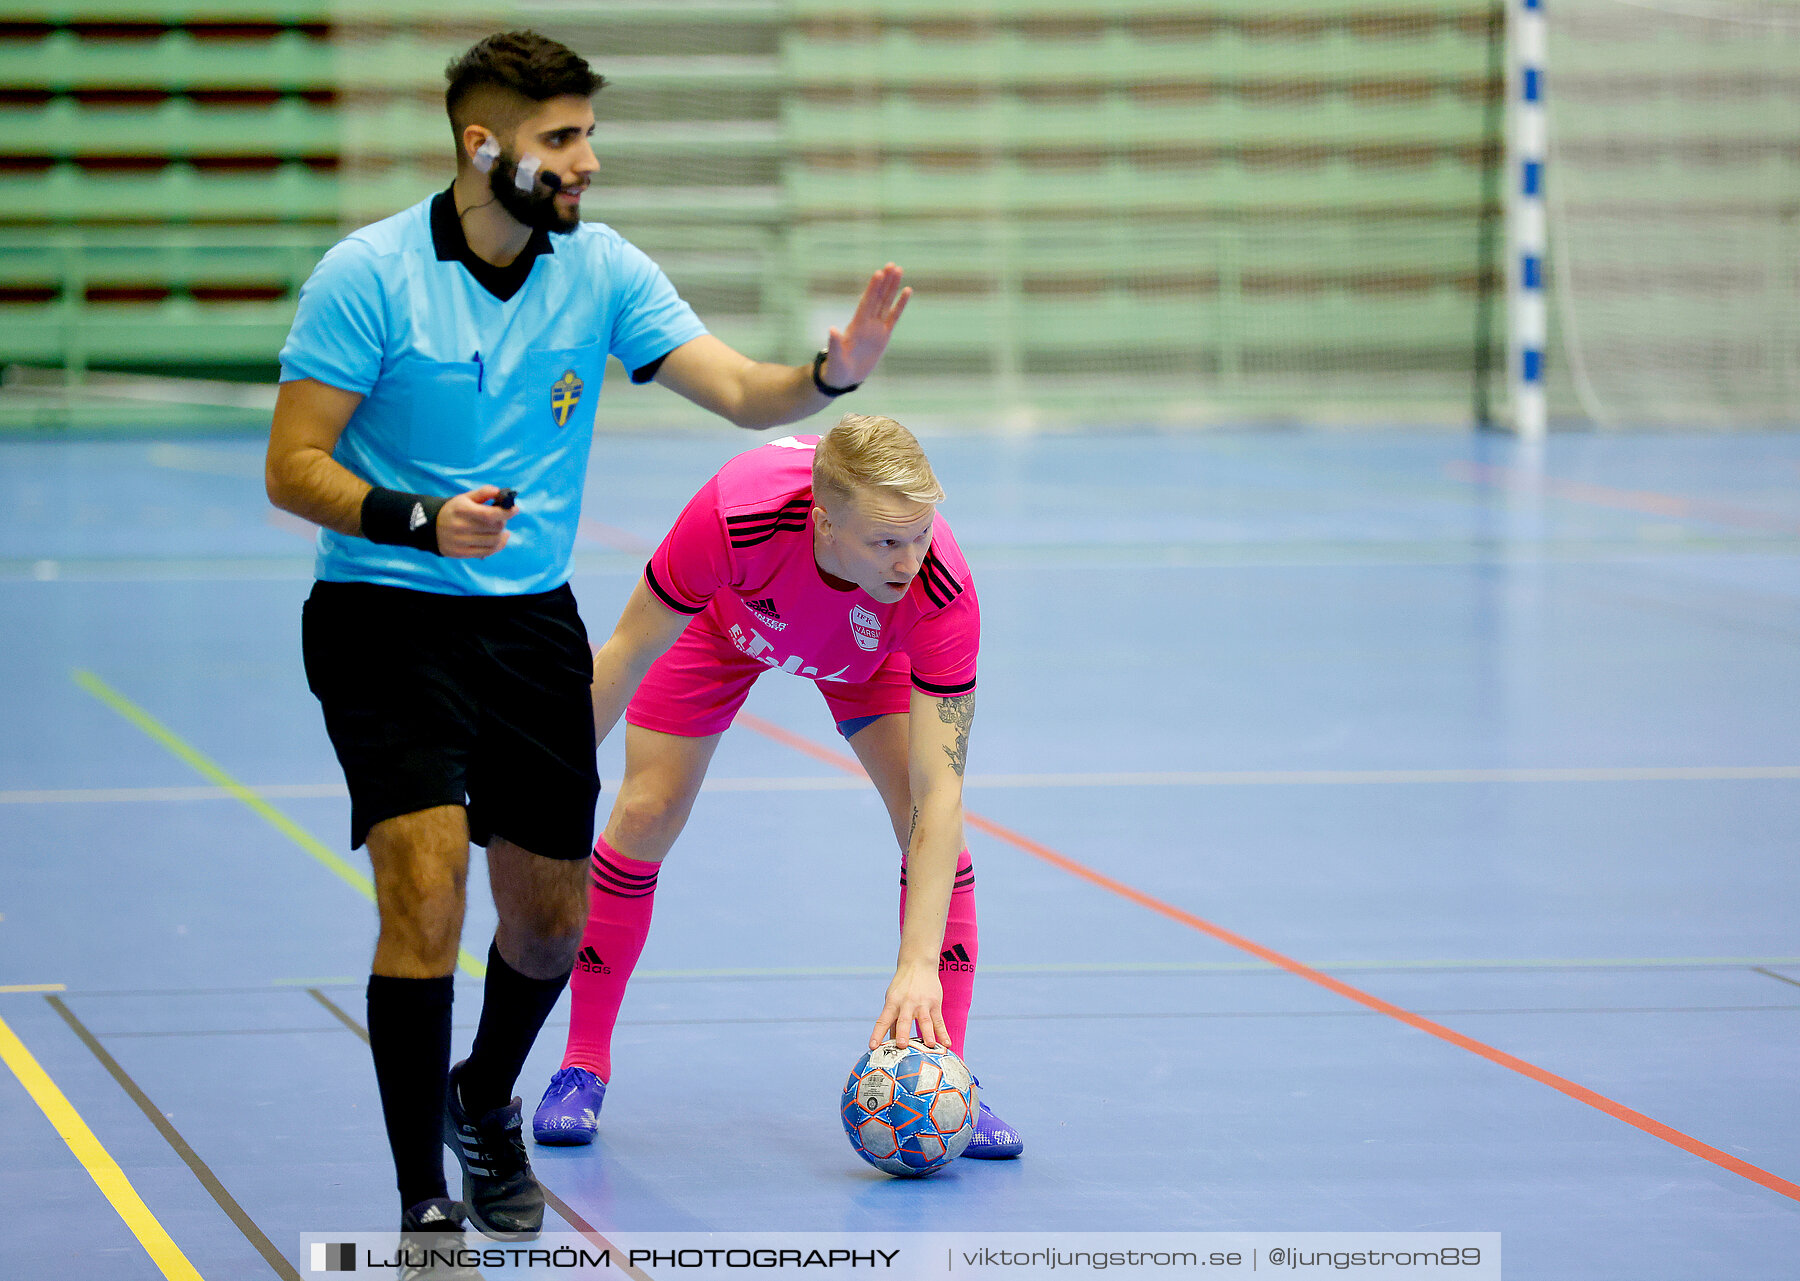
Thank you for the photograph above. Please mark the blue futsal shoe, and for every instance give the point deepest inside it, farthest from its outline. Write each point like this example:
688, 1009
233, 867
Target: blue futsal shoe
570, 1112
994, 1139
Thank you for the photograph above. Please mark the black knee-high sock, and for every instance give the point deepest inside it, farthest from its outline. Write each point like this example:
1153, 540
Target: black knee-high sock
409, 1035
513, 1008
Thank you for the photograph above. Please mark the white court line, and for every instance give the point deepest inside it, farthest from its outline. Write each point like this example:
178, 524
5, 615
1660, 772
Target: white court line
1157, 778
1077, 969
1243, 778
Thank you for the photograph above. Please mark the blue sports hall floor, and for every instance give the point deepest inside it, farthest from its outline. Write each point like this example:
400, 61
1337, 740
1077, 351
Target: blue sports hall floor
1375, 832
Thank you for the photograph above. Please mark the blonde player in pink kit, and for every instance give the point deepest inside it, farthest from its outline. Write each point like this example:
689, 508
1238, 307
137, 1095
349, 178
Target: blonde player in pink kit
824, 558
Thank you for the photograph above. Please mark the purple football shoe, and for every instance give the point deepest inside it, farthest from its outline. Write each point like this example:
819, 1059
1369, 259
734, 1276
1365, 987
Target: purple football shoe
994, 1139
570, 1112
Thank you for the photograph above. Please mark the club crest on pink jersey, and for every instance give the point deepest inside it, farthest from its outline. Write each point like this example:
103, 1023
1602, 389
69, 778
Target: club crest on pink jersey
866, 626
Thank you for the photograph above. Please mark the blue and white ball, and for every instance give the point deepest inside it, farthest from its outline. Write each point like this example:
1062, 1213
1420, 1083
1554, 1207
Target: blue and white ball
909, 1111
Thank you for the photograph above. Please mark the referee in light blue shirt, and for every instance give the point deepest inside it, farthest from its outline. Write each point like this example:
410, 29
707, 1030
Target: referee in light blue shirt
436, 408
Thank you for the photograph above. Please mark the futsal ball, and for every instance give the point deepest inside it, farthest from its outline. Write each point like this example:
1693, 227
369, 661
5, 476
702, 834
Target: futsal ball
909, 1111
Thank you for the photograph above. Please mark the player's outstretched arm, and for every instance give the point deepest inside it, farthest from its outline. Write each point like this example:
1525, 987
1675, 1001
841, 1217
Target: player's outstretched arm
302, 477
644, 633
756, 394
937, 750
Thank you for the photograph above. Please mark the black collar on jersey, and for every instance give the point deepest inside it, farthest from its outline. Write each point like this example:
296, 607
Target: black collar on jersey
453, 246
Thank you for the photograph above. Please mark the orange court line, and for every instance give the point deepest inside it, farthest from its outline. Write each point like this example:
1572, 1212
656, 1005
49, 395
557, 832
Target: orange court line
1580, 1093
805, 746
1646, 501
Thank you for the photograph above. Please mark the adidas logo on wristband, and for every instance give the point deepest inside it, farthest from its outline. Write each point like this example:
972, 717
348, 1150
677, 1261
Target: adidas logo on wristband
417, 520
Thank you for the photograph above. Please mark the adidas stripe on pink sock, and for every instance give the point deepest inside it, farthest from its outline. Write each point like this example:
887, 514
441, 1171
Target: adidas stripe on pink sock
962, 947
619, 906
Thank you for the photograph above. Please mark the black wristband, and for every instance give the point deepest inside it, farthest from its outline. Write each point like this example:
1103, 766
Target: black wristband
401, 520
821, 384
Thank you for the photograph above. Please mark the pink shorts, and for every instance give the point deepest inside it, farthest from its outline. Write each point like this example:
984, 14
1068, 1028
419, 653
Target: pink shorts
696, 688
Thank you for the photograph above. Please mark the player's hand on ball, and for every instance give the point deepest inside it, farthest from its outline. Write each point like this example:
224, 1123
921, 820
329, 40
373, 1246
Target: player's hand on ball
915, 996
468, 528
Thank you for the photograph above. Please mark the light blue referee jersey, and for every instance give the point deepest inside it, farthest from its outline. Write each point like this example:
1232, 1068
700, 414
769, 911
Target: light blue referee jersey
463, 389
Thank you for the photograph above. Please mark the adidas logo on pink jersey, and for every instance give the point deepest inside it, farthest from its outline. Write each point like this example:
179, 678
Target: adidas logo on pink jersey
765, 610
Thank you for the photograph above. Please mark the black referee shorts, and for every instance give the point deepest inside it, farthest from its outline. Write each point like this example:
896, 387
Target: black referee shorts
481, 701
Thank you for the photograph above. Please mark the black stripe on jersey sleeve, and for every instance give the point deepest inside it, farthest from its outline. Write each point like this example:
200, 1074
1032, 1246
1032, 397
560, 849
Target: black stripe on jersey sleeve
756, 540
787, 520
798, 500
943, 575
933, 592
749, 521
943, 691
667, 599
940, 585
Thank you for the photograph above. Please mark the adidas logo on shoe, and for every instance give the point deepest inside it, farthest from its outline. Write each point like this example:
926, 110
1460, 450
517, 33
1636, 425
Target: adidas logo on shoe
588, 960
503, 1198
956, 959
765, 610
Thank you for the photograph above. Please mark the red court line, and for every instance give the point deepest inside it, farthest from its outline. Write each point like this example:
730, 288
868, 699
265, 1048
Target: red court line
562, 1207
290, 524
1580, 1093
1646, 501
588, 531
621, 1259
621, 540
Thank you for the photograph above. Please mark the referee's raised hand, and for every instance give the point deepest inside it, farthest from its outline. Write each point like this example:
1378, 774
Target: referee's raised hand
851, 353
468, 527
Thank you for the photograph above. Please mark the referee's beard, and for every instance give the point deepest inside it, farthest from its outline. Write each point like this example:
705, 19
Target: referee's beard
536, 208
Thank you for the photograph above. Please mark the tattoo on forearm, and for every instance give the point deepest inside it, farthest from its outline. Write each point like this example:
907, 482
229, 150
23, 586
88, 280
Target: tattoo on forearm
960, 712
913, 826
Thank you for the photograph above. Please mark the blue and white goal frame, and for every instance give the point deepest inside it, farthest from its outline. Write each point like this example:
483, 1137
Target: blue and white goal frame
1527, 138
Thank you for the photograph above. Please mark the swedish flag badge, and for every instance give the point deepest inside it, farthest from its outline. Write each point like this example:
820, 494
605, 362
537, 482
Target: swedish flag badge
565, 394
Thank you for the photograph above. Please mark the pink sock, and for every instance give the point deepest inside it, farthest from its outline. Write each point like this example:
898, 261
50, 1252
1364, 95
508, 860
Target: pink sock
623, 894
956, 963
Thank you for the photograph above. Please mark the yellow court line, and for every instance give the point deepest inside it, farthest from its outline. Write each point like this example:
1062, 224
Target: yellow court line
208, 769
95, 1159
33, 987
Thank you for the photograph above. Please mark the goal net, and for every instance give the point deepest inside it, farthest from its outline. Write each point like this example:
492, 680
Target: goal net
1674, 199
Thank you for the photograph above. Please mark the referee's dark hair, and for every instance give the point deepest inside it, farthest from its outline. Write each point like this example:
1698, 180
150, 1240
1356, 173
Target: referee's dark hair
524, 68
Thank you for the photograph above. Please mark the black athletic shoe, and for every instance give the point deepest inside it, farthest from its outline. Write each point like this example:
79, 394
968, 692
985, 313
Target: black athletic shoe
428, 1233
504, 1199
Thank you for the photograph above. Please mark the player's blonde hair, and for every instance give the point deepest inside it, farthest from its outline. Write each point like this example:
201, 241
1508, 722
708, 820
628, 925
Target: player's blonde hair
866, 451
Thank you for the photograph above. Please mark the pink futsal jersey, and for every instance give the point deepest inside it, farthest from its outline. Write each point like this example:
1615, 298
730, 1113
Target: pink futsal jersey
741, 553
